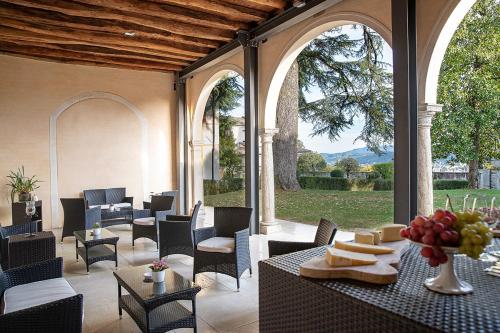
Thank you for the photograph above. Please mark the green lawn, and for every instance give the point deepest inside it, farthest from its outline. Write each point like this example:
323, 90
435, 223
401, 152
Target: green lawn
348, 209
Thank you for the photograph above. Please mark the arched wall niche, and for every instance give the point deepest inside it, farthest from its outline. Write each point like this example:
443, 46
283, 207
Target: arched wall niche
297, 43
94, 95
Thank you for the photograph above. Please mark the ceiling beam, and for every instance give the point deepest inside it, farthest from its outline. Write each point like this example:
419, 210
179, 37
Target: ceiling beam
168, 12
80, 62
102, 51
27, 14
76, 9
264, 5
217, 7
71, 55
105, 38
35, 37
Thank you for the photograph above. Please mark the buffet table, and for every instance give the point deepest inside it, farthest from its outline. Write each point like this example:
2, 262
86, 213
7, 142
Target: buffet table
290, 303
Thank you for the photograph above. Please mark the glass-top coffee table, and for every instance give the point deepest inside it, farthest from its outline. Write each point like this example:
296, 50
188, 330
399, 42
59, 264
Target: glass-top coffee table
154, 306
95, 248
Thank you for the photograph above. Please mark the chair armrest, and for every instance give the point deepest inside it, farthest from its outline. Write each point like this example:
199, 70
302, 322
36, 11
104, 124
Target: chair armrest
130, 200
202, 234
43, 270
277, 248
140, 213
92, 216
185, 218
161, 215
64, 315
241, 238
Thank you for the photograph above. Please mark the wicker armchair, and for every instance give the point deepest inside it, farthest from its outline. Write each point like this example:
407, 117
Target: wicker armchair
147, 204
10, 230
324, 236
176, 233
62, 315
224, 248
77, 216
145, 222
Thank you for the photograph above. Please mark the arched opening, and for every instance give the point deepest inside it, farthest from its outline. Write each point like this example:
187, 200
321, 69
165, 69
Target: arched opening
323, 196
77, 130
219, 106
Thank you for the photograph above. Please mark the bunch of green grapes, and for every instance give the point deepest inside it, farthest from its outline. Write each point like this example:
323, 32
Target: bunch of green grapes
475, 237
465, 218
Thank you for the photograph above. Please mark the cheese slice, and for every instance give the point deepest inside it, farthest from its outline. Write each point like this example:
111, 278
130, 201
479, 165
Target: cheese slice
363, 248
376, 236
390, 232
364, 237
340, 258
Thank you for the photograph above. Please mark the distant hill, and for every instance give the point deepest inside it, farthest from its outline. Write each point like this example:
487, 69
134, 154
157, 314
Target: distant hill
362, 155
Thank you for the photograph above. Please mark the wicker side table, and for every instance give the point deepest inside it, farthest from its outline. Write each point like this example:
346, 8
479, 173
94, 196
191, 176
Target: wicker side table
28, 250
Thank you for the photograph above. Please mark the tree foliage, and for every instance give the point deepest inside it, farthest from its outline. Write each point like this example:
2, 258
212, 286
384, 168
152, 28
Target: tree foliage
310, 162
348, 164
225, 97
468, 128
355, 83
386, 170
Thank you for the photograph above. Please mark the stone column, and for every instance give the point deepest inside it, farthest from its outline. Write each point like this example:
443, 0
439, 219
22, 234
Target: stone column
197, 158
424, 157
268, 223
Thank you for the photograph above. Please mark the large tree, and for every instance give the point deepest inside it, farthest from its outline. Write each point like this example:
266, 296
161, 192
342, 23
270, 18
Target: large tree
310, 162
225, 97
355, 83
468, 129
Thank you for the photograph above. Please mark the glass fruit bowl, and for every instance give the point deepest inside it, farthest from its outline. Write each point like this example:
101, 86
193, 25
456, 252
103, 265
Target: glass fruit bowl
447, 282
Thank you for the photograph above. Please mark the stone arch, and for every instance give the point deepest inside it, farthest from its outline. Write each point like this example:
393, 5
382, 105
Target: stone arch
299, 42
197, 126
53, 142
437, 44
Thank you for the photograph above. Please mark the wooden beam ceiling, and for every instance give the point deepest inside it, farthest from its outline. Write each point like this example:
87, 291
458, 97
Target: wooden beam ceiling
161, 35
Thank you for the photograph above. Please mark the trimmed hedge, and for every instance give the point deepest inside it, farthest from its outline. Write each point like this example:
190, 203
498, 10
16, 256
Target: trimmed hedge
211, 187
383, 185
325, 183
337, 173
450, 184
343, 184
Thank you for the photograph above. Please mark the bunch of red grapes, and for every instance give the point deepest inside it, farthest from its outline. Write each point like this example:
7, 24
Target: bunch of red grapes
434, 231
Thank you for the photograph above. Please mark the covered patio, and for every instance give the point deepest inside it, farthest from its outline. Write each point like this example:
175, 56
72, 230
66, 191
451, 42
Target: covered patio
110, 96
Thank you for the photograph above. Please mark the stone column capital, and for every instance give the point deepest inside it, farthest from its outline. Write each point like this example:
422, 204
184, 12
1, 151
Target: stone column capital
267, 134
426, 113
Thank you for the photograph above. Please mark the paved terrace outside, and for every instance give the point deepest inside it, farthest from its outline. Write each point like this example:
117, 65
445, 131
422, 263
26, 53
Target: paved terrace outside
219, 307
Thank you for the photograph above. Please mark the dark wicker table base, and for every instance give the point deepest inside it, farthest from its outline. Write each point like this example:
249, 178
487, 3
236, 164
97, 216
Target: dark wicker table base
96, 249
290, 303
28, 250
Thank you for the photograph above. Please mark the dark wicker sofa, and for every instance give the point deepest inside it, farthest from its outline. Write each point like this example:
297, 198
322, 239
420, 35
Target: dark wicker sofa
7, 231
108, 196
61, 315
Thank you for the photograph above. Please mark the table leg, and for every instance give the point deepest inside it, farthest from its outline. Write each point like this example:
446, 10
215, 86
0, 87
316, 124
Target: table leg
119, 298
76, 249
87, 258
194, 314
116, 257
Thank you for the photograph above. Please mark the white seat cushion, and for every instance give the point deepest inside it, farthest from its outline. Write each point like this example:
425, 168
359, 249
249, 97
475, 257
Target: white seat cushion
36, 293
217, 244
102, 206
122, 205
145, 221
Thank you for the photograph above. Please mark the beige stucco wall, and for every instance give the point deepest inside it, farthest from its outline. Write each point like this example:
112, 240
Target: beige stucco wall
431, 16
99, 141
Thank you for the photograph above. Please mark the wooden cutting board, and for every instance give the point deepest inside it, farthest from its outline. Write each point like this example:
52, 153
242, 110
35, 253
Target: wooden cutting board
383, 272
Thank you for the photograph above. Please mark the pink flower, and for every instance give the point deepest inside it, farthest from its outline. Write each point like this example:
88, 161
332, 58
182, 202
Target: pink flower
158, 265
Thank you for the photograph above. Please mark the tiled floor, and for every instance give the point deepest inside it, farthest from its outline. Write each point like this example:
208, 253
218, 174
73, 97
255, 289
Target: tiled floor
220, 308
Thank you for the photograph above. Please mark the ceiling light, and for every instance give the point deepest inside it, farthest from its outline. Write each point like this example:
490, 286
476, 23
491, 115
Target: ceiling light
298, 3
129, 34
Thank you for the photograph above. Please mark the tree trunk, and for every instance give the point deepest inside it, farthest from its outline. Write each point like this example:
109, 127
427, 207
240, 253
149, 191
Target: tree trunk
473, 176
285, 141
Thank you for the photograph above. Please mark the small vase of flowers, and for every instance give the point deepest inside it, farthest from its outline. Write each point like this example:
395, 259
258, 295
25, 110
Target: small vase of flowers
158, 268
96, 229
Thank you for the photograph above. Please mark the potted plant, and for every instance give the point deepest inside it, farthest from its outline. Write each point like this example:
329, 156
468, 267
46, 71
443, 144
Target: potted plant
96, 229
158, 268
21, 185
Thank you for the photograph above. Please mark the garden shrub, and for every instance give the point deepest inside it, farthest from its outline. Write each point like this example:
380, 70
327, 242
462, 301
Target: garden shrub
224, 185
362, 184
325, 183
450, 184
337, 173
374, 175
385, 169
383, 184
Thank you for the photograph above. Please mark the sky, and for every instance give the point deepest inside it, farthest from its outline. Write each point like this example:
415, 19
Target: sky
322, 144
